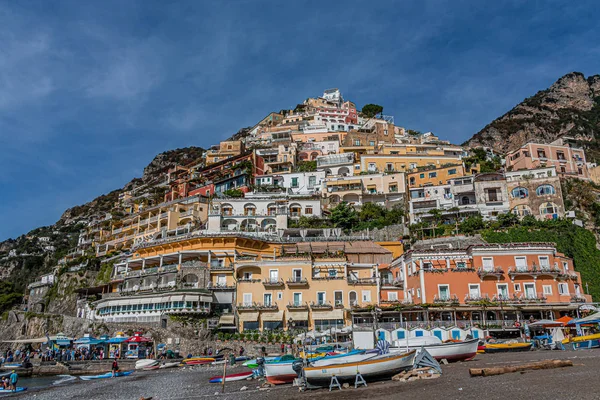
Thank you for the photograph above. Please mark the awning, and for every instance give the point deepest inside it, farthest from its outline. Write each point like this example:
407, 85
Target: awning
36, 340
248, 317
116, 340
298, 315
343, 182
177, 298
272, 316
227, 320
334, 314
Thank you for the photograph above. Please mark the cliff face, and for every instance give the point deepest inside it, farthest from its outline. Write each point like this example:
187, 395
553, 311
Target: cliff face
570, 107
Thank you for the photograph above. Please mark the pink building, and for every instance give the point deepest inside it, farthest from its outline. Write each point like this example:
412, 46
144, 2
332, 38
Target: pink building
567, 160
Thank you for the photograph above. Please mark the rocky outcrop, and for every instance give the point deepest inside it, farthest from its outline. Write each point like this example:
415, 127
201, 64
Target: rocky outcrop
570, 107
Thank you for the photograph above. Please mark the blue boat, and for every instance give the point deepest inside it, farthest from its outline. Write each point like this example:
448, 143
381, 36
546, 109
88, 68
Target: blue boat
8, 391
106, 375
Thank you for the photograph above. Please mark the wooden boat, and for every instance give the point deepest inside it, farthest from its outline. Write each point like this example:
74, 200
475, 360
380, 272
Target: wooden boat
198, 360
106, 375
23, 372
230, 378
8, 391
352, 356
143, 364
451, 351
585, 341
280, 372
507, 347
379, 367
169, 365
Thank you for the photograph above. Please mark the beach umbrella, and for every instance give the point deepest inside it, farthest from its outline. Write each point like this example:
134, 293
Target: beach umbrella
545, 323
564, 320
138, 338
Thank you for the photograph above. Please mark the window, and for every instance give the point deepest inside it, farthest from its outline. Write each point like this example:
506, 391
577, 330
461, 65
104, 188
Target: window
452, 171
250, 325
366, 296
530, 290
541, 153
332, 273
221, 280
544, 261
312, 181
545, 190
560, 155
308, 210
565, 266
474, 291
548, 209
521, 210
389, 167
580, 171
413, 165
357, 142
444, 292
372, 143
320, 297
247, 299
493, 194
421, 176
247, 276
338, 297
433, 174
488, 263
563, 169
297, 299
372, 167
547, 289
352, 298
268, 299
296, 275
521, 263
427, 266
418, 293
392, 296
563, 289
393, 188
502, 290
517, 287
461, 265
273, 275
519, 193
294, 182
412, 180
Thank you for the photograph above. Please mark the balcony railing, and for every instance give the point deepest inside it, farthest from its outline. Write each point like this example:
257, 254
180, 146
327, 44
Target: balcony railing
297, 282
496, 272
446, 300
577, 298
362, 281
534, 270
323, 305
475, 298
297, 306
270, 282
249, 280
219, 286
221, 267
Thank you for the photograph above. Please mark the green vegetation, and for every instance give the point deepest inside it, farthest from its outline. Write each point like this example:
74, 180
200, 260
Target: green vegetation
235, 193
306, 166
9, 296
313, 222
581, 196
371, 110
479, 156
370, 216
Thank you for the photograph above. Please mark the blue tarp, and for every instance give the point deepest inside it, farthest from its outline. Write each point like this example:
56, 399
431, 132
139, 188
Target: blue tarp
62, 342
116, 340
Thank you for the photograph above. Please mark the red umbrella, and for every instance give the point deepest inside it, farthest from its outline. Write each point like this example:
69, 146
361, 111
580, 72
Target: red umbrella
138, 338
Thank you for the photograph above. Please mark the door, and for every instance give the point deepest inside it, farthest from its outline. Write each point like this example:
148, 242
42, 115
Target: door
444, 293
352, 298
221, 280
521, 263
268, 299
297, 275
338, 298
321, 298
503, 291
488, 264
530, 290
474, 291
247, 299
297, 299
273, 275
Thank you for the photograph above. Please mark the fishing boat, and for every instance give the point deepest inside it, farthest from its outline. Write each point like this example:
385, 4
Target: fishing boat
143, 364
507, 347
169, 365
230, 378
198, 360
451, 351
9, 391
584, 342
280, 371
376, 368
106, 375
351, 356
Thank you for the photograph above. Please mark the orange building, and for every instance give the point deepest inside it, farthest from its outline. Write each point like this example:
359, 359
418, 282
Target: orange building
467, 278
569, 161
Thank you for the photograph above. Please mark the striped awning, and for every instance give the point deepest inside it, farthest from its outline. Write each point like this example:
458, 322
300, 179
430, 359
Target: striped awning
272, 316
333, 314
248, 317
298, 315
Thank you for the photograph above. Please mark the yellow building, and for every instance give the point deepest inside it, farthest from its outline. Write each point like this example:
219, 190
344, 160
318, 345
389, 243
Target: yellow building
406, 162
227, 149
314, 284
438, 176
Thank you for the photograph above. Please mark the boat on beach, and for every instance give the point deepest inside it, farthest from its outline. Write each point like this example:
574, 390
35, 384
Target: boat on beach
584, 342
9, 391
231, 378
376, 368
351, 356
105, 376
169, 365
450, 351
145, 364
281, 371
507, 347
198, 360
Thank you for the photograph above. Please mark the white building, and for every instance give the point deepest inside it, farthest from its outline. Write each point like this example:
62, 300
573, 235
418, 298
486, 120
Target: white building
336, 164
303, 183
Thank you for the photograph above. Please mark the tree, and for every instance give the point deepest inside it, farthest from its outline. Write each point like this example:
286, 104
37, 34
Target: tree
306, 166
236, 193
472, 224
344, 216
507, 219
371, 110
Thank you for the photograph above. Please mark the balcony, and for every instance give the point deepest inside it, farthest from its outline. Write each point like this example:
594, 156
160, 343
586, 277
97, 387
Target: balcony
476, 298
534, 270
577, 298
248, 280
221, 267
321, 305
362, 281
267, 306
297, 306
297, 282
219, 286
532, 298
451, 300
247, 306
270, 282
496, 272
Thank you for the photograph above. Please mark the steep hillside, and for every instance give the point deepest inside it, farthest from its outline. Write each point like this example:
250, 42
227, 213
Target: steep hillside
570, 107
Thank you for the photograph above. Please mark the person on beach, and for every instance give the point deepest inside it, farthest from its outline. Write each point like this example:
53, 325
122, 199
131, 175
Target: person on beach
241, 351
115, 368
5, 383
14, 378
282, 348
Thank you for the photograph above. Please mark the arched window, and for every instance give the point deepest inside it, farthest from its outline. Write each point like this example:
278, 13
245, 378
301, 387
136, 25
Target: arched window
520, 193
352, 297
521, 210
544, 190
548, 209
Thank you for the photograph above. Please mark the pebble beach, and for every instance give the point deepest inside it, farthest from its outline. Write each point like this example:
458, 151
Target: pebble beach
455, 383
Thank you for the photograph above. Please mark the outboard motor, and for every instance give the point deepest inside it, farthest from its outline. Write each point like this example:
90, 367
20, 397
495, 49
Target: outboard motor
297, 367
260, 361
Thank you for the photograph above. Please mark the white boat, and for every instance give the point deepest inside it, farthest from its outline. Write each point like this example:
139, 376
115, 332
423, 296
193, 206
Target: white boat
279, 372
141, 364
354, 356
378, 367
169, 365
451, 351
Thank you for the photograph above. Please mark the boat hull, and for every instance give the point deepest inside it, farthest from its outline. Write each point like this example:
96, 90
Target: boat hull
342, 359
452, 351
231, 378
279, 373
380, 367
507, 348
105, 376
7, 391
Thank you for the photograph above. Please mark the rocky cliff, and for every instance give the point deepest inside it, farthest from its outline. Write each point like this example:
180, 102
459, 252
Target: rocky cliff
570, 107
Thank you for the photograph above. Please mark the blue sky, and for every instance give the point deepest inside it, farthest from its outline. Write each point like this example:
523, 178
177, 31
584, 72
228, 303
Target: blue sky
90, 92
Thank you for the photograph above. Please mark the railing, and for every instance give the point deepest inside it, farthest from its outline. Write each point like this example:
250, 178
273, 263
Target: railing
471, 298
248, 280
164, 215
362, 281
324, 305
273, 282
153, 219
194, 264
577, 298
221, 267
297, 305
297, 282
534, 270
451, 299
219, 286
495, 271
144, 221
119, 230
186, 213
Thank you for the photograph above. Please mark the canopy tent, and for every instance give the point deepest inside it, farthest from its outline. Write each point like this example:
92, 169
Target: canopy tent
564, 320
88, 340
590, 319
116, 340
545, 323
138, 338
